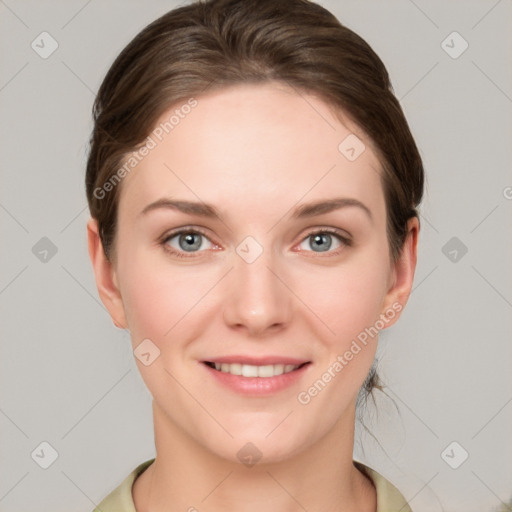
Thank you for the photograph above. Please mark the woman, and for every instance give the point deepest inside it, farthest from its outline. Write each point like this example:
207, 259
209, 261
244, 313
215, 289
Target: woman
253, 187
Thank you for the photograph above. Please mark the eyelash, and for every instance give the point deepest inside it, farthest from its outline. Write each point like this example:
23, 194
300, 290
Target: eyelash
347, 242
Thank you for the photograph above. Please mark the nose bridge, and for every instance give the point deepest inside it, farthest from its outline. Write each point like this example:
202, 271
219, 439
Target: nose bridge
257, 299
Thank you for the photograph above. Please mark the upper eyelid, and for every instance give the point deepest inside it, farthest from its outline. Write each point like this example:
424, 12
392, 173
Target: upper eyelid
172, 234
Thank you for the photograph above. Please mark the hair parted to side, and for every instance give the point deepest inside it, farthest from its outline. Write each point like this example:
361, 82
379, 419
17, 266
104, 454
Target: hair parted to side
212, 44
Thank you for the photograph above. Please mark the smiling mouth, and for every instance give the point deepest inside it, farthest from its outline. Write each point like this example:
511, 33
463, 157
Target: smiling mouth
249, 370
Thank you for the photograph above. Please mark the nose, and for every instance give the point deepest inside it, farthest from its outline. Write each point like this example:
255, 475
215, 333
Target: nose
257, 301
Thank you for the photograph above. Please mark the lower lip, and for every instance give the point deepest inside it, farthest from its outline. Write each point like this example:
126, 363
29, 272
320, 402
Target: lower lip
257, 386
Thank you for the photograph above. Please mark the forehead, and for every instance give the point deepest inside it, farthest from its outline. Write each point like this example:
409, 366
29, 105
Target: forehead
252, 145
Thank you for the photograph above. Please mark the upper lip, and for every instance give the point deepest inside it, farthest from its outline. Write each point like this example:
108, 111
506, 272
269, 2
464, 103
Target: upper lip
257, 361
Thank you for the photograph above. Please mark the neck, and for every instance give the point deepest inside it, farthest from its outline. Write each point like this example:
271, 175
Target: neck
187, 477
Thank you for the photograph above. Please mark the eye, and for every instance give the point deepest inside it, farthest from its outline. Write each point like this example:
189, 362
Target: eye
186, 241
325, 240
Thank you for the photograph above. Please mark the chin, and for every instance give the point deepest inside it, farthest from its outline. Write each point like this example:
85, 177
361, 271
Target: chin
254, 446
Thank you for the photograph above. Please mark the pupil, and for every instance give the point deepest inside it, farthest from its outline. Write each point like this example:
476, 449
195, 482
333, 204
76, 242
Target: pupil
322, 239
189, 241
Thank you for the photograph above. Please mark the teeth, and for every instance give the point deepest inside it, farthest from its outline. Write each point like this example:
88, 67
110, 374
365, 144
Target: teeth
249, 370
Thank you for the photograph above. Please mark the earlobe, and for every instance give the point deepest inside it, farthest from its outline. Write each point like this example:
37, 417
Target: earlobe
105, 276
403, 273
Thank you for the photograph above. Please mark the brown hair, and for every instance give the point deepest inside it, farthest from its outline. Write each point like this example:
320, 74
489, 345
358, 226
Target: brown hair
216, 43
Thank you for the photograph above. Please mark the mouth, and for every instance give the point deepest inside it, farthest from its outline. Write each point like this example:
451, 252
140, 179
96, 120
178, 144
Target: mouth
250, 370
261, 376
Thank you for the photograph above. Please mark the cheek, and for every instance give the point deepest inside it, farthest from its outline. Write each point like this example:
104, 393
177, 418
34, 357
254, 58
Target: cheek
156, 308
155, 296
346, 299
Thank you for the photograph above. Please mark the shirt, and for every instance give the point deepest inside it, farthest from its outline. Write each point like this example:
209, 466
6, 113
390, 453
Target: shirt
389, 498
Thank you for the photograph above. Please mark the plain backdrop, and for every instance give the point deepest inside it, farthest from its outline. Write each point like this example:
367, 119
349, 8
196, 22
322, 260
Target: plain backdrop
68, 376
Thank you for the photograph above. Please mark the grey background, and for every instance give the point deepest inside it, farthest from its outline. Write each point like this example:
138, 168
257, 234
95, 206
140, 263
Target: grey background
67, 374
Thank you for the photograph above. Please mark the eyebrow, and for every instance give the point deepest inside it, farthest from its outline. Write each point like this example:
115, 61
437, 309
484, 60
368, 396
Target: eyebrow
303, 211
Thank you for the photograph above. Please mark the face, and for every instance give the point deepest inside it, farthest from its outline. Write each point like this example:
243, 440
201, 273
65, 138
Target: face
248, 241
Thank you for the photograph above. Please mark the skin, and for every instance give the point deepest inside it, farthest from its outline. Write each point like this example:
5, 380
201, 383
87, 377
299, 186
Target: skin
255, 152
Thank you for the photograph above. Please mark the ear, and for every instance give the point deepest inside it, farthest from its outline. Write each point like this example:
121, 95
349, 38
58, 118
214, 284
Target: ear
105, 275
402, 275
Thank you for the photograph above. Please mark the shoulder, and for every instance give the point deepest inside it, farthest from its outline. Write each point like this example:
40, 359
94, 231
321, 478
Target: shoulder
120, 499
389, 498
